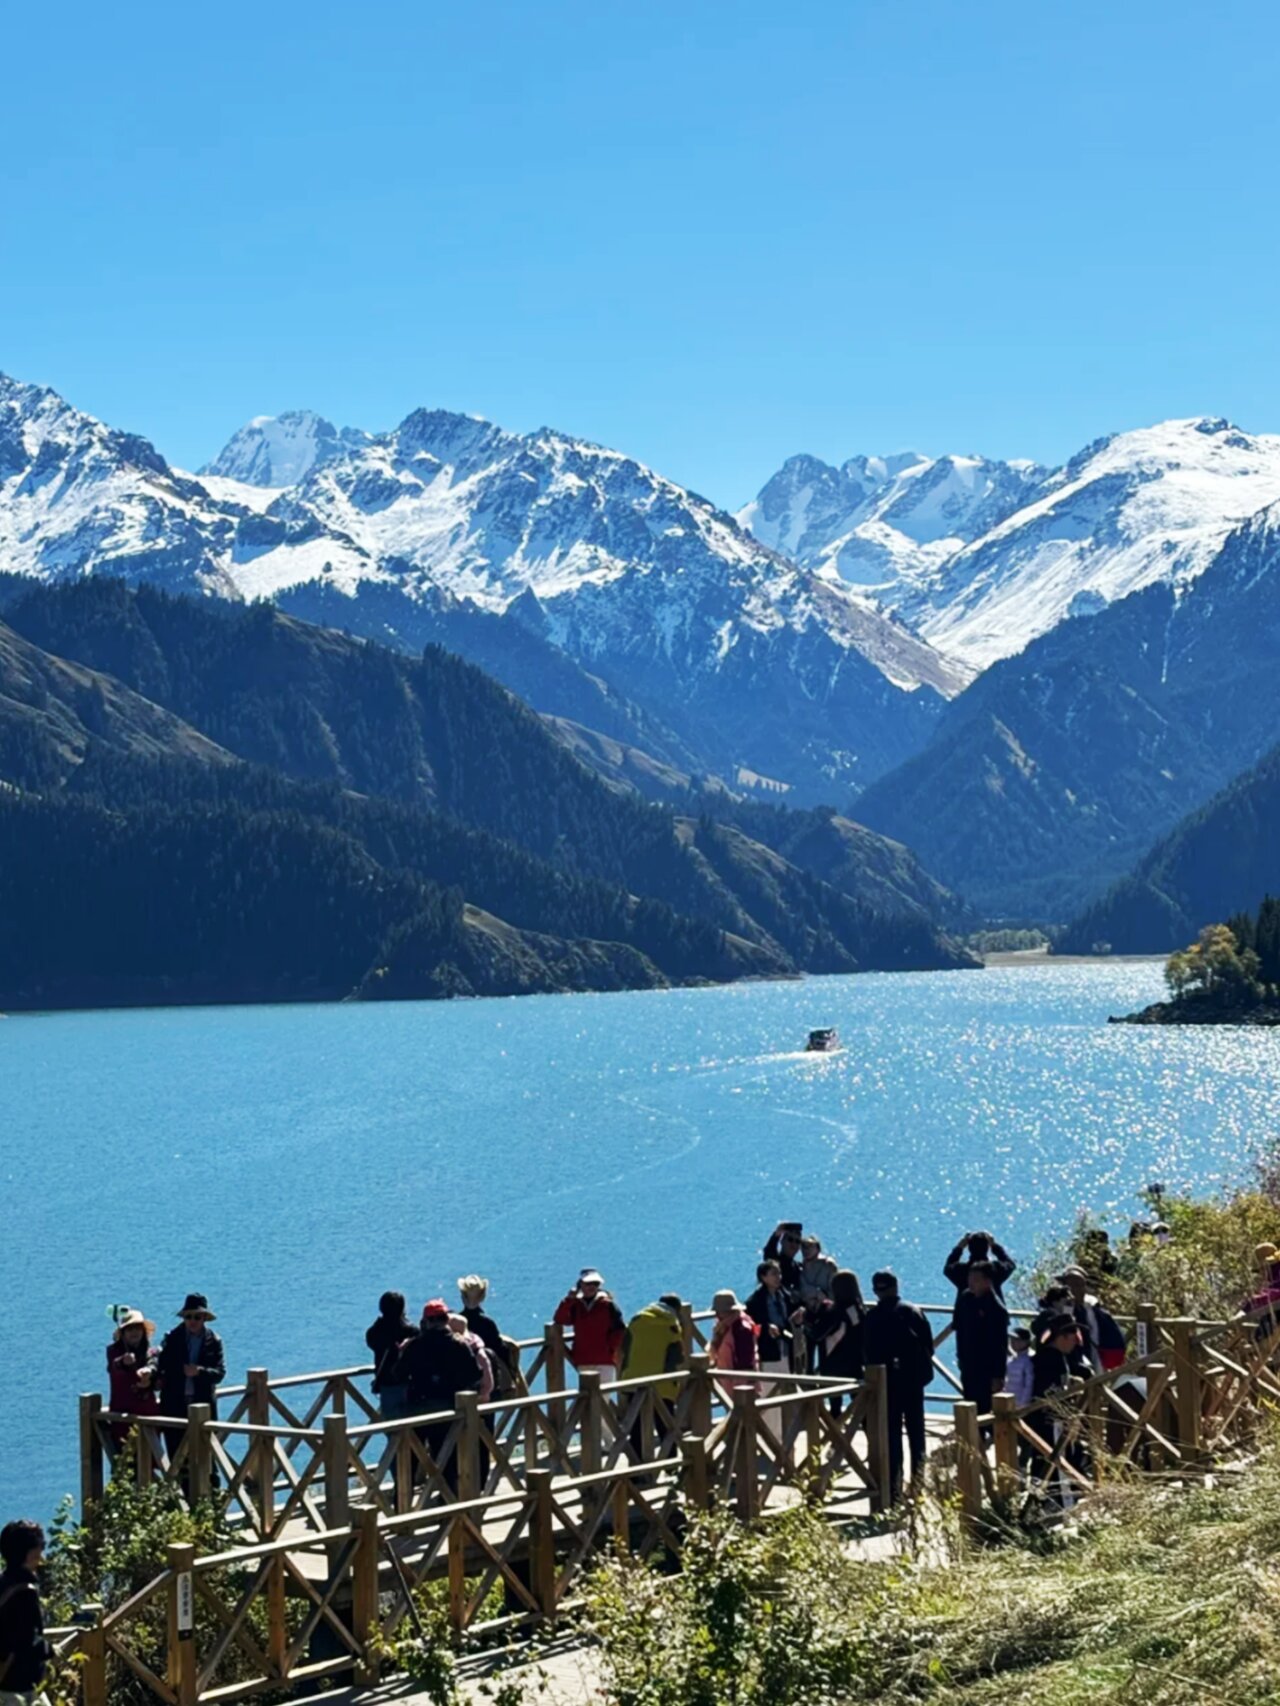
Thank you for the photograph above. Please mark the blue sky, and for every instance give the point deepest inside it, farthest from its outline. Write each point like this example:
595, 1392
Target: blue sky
711, 234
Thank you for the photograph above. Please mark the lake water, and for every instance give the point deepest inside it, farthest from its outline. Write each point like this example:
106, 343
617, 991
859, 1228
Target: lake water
293, 1162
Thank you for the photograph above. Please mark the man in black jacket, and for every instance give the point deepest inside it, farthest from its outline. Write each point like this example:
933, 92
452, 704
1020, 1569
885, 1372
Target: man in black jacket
24, 1652
897, 1335
191, 1366
435, 1367
982, 1247
1060, 1357
982, 1337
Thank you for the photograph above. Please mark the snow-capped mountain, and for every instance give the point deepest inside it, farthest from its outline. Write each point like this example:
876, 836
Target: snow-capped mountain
1138, 507
76, 495
981, 557
280, 450
755, 663
886, 523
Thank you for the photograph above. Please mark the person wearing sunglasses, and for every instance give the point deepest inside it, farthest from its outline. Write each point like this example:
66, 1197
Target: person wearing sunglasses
191, 1366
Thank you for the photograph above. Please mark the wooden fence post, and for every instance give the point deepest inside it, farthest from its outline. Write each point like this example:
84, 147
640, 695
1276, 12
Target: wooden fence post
261, 1448
199, 1453
1163, 1419
337, 1472
364, 1593
466, 1408
1145, 1338
877, 1422
553, 1369
701, 1393
1095, 1427
812, 1407
1186, 1365
91, 1479
694, 1479
968, 1465
93, 1674
1004, 1407
184, 1669
686, 1329
746, 1414
542, 1543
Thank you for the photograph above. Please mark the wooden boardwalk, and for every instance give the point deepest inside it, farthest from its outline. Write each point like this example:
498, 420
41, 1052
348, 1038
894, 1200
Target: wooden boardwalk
338, 1525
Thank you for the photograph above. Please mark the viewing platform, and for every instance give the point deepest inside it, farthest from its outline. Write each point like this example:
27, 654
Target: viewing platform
342, 1519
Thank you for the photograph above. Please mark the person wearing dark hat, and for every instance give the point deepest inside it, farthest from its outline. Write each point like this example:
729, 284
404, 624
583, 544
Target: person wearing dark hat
898, 1336
654, 1344
434, 1368
191, 1366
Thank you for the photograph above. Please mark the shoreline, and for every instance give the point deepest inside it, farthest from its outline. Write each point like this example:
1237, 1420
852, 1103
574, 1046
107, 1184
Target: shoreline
1040, 957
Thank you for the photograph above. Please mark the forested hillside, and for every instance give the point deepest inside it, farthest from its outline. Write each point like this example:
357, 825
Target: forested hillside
1214, 864
488, 858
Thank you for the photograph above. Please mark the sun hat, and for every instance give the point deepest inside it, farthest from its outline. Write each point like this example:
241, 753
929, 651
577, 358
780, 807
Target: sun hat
435, 1309
1265, 1252
590, 1276
723, 1302
197, 1304
473, 1282
135, 1318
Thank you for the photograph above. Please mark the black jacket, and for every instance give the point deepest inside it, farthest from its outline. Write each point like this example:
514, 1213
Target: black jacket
982, 1335
1052, 1368
956, 1269
22, 1642
384, 1339
485, 1329
839, 1336
757, 1307
173, 1383
436, 1367
898, 1335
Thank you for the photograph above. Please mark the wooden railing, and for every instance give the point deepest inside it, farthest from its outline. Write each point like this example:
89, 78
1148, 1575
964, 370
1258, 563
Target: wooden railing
345, 1517
343, 1525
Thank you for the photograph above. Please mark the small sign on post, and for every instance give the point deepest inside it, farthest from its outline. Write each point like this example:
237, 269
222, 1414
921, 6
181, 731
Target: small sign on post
186, 1606
1143, 1336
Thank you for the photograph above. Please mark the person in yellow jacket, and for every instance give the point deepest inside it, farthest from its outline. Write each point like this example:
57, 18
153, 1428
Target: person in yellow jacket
654, 1345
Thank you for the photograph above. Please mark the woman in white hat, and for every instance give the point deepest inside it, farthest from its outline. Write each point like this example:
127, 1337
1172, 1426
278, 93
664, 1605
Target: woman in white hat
131, 1366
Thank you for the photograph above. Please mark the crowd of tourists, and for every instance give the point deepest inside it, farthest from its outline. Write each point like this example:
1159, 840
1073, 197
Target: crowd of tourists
805, 1314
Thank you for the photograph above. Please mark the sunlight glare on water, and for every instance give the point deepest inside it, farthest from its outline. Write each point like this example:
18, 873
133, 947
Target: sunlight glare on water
295, 1161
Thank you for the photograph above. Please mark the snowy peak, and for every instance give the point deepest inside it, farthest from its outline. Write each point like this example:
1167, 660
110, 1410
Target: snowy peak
1136, 507
281, 450
979, 557
884, 522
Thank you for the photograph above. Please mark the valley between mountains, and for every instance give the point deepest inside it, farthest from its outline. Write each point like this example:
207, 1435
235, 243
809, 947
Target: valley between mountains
451, 709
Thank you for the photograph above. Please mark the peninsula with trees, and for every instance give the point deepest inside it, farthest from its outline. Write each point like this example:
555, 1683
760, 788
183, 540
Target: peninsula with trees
1230, 975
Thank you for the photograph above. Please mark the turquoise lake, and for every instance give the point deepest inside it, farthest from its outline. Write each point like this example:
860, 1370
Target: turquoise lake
293, 1162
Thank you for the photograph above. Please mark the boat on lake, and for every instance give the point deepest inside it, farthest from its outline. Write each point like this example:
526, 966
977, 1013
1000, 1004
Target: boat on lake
824, 1041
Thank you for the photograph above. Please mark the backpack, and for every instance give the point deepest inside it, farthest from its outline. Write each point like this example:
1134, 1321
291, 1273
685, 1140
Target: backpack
504, 1367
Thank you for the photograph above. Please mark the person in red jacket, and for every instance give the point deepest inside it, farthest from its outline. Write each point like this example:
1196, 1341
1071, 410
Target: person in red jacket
131, 1367
598, 1327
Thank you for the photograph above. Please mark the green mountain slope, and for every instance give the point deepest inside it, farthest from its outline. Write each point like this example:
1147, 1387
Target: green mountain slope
423, 770
1218, 861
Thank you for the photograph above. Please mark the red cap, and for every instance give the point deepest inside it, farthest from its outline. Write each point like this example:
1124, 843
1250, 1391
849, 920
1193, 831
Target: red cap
436, 1308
